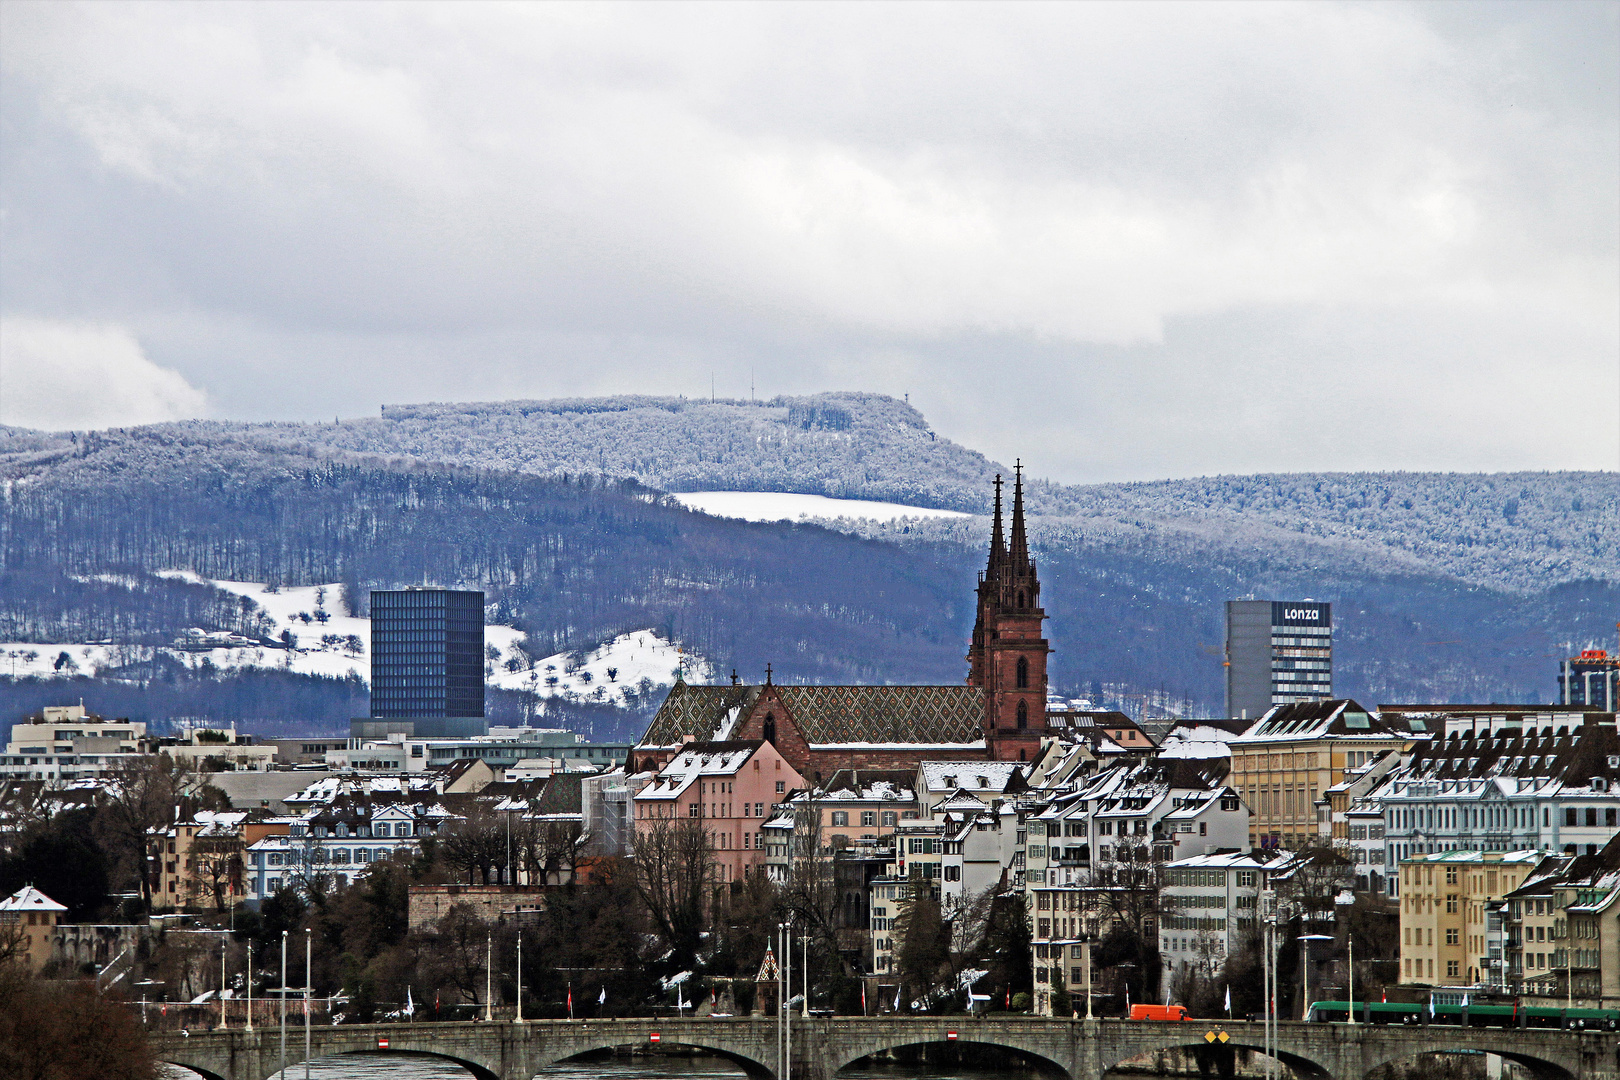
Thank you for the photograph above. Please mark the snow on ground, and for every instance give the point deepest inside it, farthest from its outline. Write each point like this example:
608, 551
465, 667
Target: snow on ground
604, 674
778, 506
340, 645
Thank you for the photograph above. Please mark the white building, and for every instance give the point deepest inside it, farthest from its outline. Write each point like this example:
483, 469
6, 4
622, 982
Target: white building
1211, 903
66, 743
334, 843
1503, 782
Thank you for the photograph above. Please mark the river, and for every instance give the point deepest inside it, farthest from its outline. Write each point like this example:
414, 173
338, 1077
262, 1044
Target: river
403, 1067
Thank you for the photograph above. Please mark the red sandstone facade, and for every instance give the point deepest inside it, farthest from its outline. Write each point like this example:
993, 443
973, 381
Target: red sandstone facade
1008, 654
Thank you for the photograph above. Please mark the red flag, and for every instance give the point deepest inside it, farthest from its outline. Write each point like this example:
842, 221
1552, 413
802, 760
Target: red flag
570, 998
863, 997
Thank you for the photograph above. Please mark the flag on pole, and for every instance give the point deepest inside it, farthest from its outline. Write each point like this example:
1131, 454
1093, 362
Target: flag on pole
1228, 999
570, 1001
410, 1003
863, 997
897, 999
601, 999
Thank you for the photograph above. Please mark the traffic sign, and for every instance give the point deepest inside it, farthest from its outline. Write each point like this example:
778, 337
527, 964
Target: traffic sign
654, 1036
382, 1042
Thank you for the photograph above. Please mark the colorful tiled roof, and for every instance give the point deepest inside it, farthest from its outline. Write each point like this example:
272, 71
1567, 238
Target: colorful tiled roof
830, 715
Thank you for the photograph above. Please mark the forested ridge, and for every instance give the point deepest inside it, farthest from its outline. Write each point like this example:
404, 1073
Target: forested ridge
1471, 593
1513, 531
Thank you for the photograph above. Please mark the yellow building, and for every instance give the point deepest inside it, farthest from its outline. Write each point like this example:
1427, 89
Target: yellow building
33, 917
1284, 765
1452, 915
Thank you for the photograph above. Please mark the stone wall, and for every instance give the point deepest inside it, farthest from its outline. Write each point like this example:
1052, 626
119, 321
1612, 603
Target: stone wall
427, 904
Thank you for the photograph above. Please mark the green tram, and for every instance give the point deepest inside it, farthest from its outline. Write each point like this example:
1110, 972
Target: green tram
1392, 1012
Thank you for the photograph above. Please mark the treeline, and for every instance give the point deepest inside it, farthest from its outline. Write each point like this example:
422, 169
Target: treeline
44, 603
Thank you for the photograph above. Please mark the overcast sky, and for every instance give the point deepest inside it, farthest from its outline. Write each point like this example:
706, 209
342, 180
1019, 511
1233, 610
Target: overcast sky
1120, 241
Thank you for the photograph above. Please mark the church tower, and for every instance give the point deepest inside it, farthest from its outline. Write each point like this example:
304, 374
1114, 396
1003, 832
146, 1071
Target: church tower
1008, 654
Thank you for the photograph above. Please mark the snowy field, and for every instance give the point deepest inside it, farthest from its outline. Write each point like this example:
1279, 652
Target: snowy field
776, 506
329, 642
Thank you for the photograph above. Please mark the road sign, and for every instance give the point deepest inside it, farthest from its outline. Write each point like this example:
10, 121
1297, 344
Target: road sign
654, 1036
950, 1036
382, 1042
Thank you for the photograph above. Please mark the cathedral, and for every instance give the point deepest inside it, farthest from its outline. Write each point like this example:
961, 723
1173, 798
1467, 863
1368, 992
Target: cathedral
999, 714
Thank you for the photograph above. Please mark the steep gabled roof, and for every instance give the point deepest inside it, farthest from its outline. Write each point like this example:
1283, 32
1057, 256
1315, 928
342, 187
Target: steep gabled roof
829, 715
886, 715
698, 711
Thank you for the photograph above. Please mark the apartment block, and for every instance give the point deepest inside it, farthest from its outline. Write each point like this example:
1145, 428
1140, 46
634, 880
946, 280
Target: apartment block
1451, 913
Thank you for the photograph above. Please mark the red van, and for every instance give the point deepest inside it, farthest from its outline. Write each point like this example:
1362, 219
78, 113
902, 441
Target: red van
1159, 1012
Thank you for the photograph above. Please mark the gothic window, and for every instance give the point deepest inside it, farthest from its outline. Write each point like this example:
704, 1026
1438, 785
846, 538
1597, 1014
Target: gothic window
770, 728
1023, 716
1023, 672
1020, 598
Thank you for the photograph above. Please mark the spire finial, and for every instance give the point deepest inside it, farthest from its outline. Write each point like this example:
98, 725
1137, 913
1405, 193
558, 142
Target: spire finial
1019, 553
997, 545
767, 673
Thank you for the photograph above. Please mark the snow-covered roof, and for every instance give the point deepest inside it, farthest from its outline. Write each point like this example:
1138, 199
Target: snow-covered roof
1242, 860
945, 776
699, 761
1339, 718
1195, 748
29, 898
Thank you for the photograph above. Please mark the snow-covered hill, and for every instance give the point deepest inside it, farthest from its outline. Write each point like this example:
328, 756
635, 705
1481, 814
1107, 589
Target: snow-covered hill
320, 639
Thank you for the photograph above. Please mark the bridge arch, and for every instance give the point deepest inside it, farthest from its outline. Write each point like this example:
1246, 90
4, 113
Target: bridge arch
993, 1040
758, 1070
198, 1069
478, 1070
1539, 1067
1191, 1037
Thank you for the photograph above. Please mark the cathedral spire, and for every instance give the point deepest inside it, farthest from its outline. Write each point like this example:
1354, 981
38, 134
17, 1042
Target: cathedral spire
1019, 555
998, 549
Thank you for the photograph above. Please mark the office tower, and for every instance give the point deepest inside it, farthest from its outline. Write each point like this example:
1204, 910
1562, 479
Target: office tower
1591, 679
427, 653
1277, 652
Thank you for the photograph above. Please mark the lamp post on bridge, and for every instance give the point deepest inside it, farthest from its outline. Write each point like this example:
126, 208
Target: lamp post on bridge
1305, 971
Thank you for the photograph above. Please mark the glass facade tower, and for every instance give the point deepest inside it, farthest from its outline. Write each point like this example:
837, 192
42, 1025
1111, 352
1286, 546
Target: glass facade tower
427, 653
1277, 652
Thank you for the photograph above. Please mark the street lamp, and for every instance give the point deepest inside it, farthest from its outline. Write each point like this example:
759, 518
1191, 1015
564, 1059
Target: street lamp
1305, 971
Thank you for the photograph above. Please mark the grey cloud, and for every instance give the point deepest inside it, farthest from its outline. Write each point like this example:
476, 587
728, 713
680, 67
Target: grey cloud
1141, 235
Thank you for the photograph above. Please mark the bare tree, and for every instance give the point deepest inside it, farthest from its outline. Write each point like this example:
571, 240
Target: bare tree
477, 844
547, 846
674, 872
1132, 904
140, 799
216, 868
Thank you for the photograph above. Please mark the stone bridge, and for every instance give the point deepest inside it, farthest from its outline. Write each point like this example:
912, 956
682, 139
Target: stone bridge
1077, 1050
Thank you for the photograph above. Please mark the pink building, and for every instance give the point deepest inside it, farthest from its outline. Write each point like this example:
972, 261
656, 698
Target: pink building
731, 786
